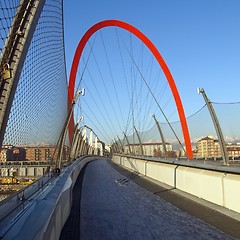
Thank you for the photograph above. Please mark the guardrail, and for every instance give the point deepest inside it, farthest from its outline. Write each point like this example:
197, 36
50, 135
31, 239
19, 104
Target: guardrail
24, 168
26, 163
46, 203
11, 203
215, 183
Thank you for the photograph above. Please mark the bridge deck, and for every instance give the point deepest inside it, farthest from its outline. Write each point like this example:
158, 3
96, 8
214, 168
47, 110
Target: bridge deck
112, 206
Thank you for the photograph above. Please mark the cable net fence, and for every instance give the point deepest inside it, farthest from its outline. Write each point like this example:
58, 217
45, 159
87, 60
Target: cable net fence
204, 138
39, 107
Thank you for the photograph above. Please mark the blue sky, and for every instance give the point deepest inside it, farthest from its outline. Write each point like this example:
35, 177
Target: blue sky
199, 40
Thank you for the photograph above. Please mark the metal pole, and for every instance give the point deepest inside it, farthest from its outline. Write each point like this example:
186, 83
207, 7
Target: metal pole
141, 146
101, 149
81, 145
96, 146
85, 140
75, 139
114, 147
118, 147
161, 135
127, 143
122, 149
14, 54
216, 125
78, 147
64, 131
90, 141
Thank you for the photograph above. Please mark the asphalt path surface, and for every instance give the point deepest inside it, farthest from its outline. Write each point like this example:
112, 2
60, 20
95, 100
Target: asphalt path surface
112, 203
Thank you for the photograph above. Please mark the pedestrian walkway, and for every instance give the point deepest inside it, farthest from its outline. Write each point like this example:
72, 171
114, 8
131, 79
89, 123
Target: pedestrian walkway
108, 205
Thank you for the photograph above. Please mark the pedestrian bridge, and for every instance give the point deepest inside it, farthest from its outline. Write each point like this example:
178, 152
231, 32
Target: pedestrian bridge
95, 198
132, 109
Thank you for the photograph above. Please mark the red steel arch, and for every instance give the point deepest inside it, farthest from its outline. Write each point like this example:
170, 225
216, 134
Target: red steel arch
157, 55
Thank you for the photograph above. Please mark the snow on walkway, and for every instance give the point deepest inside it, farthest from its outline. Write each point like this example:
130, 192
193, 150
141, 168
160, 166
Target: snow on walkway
114, 208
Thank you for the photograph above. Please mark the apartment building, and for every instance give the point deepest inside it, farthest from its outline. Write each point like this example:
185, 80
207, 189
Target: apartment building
149, 149
208, 147
44, 153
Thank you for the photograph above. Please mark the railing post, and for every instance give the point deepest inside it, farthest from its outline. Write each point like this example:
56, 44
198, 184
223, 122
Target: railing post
129, 148
95, 146
119, 140
117, 146
101, 149
139, 139
216, 125
75, 147
114, 148
90, 141
84, 140
82, 144
75, 138
78, 147
161, 135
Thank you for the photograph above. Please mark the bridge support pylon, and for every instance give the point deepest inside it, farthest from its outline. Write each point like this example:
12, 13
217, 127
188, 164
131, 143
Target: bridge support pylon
216, 125
14, 54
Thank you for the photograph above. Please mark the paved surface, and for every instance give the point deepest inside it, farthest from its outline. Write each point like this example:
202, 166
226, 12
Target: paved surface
108, 205
219, 217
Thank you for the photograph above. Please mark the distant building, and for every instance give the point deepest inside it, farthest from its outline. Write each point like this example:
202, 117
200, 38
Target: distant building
233, 150
19, 154
11, 153
44, 153
98, 148
3, 155
108, 148
149, 149
208, 147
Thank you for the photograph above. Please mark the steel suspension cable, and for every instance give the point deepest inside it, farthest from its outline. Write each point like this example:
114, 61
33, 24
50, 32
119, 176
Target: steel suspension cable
114, 86
99, 95
104, 85
133, 87
96, 104
94, 115
157, 103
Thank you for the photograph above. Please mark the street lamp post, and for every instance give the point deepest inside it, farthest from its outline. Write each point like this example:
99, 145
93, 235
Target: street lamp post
216, 125
65, 127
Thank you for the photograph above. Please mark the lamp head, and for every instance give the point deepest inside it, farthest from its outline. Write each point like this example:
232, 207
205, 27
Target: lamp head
198, 91
82, 91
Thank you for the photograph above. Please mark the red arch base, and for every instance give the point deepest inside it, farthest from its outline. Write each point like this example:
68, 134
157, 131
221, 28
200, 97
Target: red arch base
157, 55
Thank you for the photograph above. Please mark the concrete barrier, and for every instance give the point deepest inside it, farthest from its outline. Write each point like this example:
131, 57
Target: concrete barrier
45, 217
189, 180
63, 205
217, 184
161, 172
231, 186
